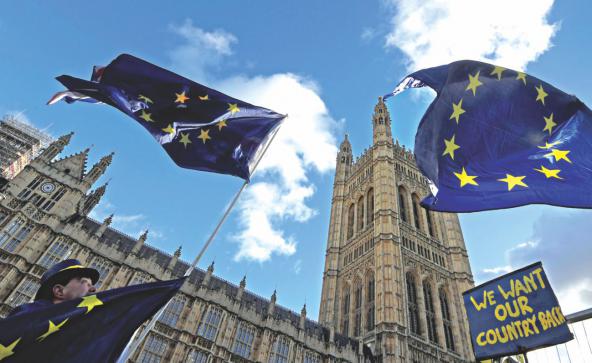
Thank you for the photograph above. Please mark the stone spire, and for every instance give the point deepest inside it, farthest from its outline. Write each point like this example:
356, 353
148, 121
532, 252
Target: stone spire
303, 317
175, 258
209, 273
106, 223
93, 199
98, 169
381, 123
241, 288
140, 241
271, 306
56, 147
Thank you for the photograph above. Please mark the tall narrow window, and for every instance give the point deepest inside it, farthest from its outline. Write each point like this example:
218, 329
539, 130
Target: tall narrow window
25, 292
446, 320
243, 340
310, 357
345, 325
30, 188
208, 328
358, 311
14, 233
139, 278
154, 350
361, 213
197, 356
57, 252
103, 267
416, 211
431, 230
350, 221
402, 204
413, 308
173, 311
370, 207
371, 307
430, 316
280, 350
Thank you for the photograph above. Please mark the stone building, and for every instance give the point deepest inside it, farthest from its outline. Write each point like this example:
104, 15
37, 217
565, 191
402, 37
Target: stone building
394, 272
19, 144
44, 219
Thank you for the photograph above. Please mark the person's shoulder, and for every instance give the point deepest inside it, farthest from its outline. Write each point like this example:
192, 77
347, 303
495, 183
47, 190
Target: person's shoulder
27, 308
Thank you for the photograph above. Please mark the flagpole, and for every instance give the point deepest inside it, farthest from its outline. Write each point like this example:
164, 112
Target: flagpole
135, 341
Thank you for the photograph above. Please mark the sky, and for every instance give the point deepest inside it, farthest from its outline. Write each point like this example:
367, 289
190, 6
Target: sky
324, 63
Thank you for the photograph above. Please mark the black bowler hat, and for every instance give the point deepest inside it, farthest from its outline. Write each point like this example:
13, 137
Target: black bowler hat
62, 270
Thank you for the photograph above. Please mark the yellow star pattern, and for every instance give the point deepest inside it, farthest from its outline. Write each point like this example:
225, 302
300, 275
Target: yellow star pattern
541, 94
457, 110
204, 98
89, 302
145, 99
52, 329
450, 147
549, 123
169, 129
521, 76
221, 125
474, 83
559, 155
497, 71
146, 116
204, 135
181, 98
513, 181
465, 178
185, 140
7, 351
548, 146
549, 173
233, 108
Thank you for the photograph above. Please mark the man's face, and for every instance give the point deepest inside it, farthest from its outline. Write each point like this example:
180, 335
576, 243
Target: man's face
76, 288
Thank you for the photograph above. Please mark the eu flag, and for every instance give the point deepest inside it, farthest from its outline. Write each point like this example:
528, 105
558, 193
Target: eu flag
93, 329
496, 138
200, 128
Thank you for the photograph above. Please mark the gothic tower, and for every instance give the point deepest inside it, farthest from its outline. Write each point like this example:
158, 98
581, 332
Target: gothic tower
394, 272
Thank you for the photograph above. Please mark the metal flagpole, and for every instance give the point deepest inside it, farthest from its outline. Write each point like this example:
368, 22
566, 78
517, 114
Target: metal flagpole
136, 339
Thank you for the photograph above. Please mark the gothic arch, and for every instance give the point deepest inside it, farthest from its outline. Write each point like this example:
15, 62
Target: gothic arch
360, 214
430, 309
416, 211
358, 302
350, 220
369, 206
443, 295
412, 302
345, 308
403, 207
370, 300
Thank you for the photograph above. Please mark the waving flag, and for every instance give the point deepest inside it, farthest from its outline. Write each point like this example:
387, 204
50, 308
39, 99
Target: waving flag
93, 329
200, 128
496, 138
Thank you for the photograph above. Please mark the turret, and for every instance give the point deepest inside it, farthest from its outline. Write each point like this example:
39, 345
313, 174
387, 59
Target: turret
271, 306
56, 147
140, 242
92, 199
98, 169
344, 160
209, 273
175, 258
303, 317
381, 123
241, 288
99, 232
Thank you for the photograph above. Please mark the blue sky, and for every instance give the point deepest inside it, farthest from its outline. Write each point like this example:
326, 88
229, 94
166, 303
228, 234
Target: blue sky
323, 63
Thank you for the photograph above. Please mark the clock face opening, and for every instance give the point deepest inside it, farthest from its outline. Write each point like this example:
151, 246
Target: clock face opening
47, 187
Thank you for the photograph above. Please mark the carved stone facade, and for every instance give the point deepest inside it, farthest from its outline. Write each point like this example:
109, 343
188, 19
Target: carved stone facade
44, 219
394, 272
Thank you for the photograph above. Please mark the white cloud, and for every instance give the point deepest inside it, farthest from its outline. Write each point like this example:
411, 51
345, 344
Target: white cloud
507, 32
131, 224
368, 34
304, 144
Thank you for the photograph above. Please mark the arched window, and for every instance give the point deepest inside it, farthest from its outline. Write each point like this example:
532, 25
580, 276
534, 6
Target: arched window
416, 211
447, 321
370, 308
429, 308
345, 310
360, 213
173, 311
280, 350
412, 306
358, 310
431, 229
350, 221
370, 207
402, 204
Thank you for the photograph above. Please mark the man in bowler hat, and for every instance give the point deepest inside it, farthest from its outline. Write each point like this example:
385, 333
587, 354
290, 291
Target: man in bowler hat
64, 281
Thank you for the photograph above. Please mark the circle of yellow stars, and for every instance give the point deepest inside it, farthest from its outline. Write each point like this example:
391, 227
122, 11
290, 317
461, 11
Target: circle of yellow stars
512, 181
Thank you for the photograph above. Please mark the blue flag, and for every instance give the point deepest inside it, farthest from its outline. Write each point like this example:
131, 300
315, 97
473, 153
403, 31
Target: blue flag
496, 138
515, 313
93, 329
200, 128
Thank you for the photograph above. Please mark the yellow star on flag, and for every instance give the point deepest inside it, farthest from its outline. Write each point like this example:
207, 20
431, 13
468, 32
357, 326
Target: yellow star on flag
52, 329
541, 94
549, 173
549, 123
450, 147
204, 135
169, 129
89, 302
181, 98
185, 140
221, 124
521, 76
7, 351
465, 178
513, 181
559, 155
497, 71
457, 110
204, 98
548, 146
474, 83
233, 108
146, 116
145, 99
